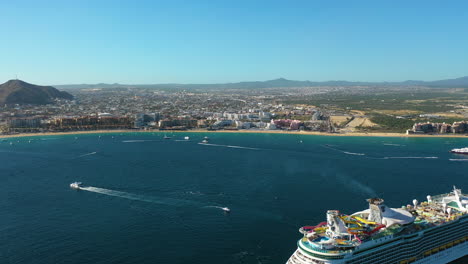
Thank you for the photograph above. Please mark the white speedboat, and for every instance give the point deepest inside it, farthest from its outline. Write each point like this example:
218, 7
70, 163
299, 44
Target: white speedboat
187, 138
460, 151
75, 185
226, 209
204, 141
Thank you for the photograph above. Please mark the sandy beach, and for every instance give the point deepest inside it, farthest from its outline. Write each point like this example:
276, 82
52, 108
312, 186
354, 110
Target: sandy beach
357, 134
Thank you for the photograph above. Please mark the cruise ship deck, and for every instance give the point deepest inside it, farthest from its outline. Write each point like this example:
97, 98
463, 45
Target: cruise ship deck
413, 232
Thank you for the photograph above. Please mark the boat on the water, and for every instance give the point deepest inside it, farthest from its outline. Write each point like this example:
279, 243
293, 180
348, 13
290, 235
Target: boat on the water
460, 151
166, 137
187, 138
204, 141
75, 185
226, 209
433, 231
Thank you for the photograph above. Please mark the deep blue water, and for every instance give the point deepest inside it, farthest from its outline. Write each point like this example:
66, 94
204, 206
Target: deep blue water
157, 198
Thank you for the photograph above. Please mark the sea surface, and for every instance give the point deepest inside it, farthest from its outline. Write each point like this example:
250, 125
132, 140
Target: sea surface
152, 200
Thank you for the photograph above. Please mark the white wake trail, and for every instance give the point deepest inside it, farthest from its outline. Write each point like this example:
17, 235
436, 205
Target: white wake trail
410, 157
138, 141
228, 146
214, 206
142, 198
87, 154
342, 151
352, 153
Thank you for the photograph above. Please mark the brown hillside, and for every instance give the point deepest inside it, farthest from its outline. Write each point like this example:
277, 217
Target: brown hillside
20, 92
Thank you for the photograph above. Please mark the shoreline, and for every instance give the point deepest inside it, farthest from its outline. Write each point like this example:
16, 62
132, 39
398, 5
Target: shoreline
357, 134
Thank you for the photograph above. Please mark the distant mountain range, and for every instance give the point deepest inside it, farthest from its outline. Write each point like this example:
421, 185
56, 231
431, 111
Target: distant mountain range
277, 83
20, 92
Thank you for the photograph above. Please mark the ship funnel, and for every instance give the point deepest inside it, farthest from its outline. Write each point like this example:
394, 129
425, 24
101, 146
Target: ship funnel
376, 207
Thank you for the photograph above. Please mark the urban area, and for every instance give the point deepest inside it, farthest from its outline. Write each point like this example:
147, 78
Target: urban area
216, 109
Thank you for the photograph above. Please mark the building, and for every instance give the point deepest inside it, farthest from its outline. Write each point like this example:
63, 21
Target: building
146, 119
32, 122
439, 128
178, 123
90, 123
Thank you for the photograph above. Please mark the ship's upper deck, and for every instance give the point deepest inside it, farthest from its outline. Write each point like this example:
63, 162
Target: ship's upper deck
342, 234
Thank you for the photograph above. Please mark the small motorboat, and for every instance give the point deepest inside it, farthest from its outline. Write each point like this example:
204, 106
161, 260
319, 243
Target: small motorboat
204, 141
460, 151
206, 138
187, 138
75, 185
226, 209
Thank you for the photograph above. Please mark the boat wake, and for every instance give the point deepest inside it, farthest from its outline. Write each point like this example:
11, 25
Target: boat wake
87, 154
458, 159
352, 153
228, 146
138, 141
410, 158
225, 209
342, 151
390, 144
142, 198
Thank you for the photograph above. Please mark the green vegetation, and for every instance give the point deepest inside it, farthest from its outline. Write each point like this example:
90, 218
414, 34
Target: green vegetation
388, 123
421, 101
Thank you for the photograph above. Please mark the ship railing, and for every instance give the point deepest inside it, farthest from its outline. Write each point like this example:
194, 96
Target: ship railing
439, 197
327, 250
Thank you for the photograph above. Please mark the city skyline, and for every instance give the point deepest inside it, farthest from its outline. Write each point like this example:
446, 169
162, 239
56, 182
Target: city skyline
205, 42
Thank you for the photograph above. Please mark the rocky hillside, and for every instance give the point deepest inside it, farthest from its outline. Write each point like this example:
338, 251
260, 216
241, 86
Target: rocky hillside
20, 92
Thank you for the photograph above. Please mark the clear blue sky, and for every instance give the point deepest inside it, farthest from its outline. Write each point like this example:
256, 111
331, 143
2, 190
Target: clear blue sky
59, 42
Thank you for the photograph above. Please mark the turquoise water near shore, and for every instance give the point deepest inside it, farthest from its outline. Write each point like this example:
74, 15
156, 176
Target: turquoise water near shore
151, 200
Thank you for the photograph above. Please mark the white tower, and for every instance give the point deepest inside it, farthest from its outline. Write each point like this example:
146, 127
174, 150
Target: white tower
376, 207
336, 227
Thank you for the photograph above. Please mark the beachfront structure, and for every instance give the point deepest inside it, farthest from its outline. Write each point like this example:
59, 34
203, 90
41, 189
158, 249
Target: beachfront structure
90, 123
435, 231
439, 128
287, 123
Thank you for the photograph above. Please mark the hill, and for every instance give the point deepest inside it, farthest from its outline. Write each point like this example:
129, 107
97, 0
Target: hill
20, 92
277, 83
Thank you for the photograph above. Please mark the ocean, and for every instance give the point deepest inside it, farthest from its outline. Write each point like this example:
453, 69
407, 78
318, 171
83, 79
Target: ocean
146, 199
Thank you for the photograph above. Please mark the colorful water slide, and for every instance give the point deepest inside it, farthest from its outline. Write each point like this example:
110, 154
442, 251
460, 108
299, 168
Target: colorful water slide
374, 230
350, 221
309, 229
364, 220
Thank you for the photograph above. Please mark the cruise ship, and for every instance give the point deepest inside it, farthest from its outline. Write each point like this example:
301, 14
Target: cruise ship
434, 231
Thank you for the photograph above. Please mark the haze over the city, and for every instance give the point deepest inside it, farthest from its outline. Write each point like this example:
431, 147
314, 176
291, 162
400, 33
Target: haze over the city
56, 42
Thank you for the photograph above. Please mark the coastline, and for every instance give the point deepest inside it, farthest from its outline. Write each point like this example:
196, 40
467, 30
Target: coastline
305, 133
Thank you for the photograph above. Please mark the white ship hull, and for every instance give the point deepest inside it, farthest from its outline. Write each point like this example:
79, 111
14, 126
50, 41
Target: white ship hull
446, 256
442, 257
438, 235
